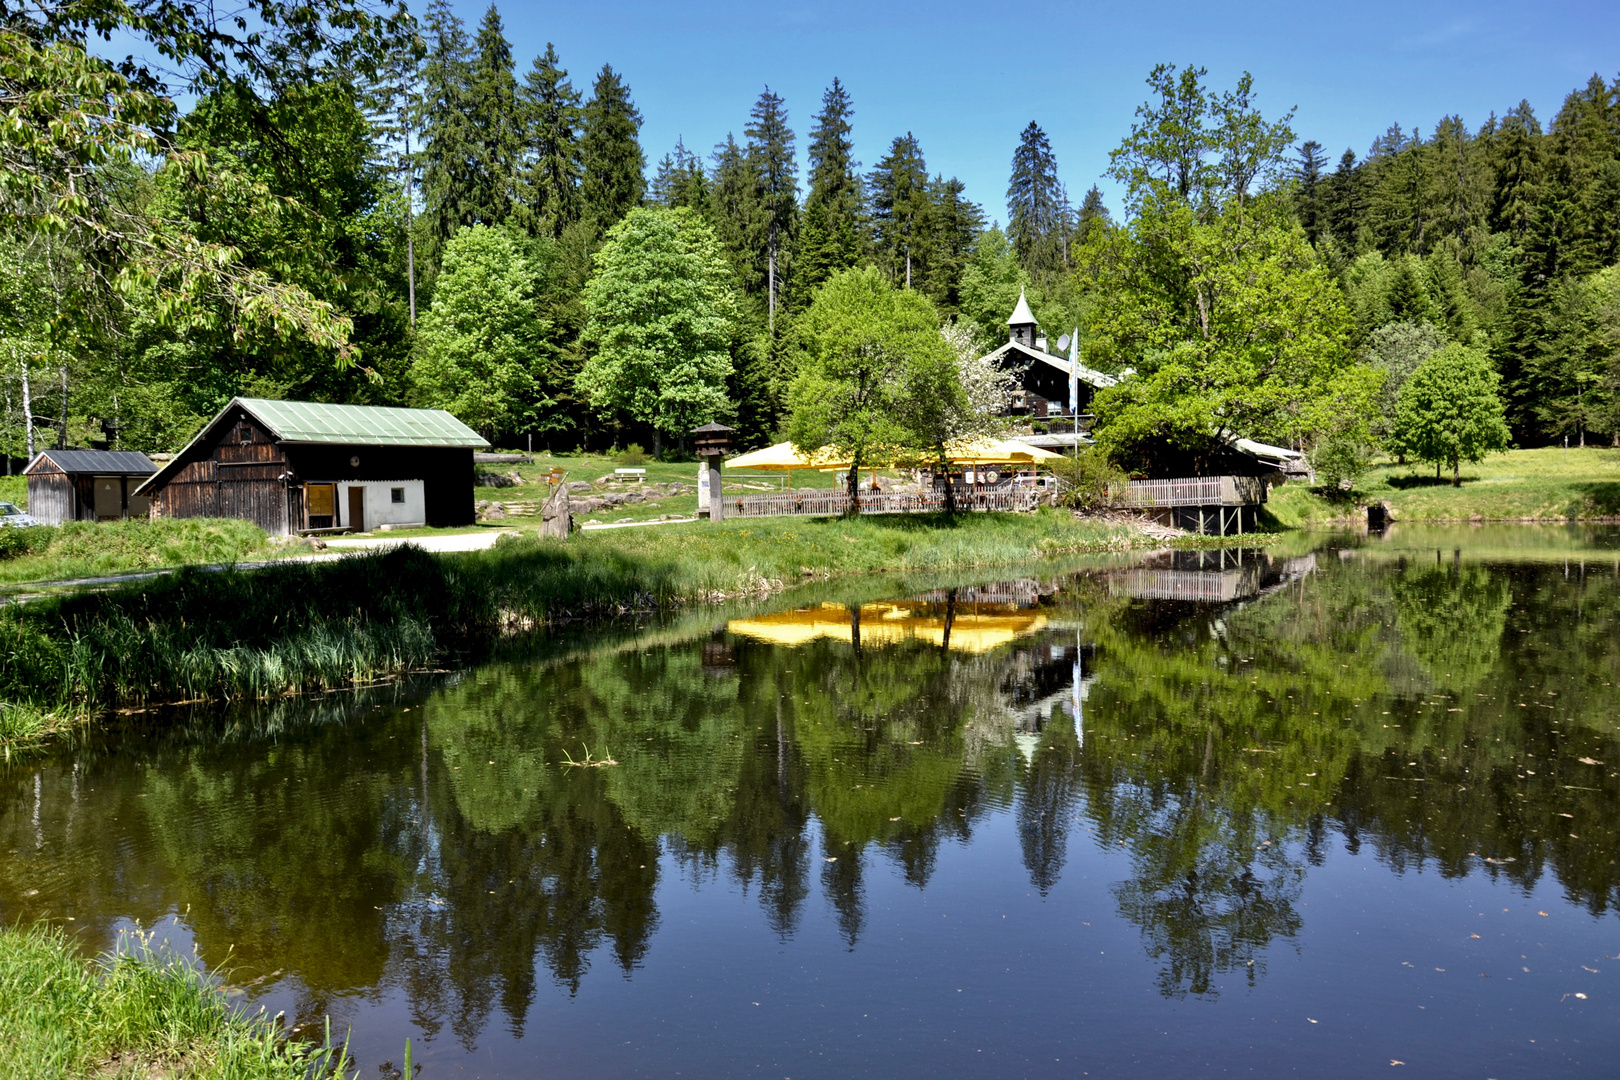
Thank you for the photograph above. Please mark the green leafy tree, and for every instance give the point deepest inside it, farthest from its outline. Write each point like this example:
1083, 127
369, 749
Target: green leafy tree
875, 377
1396, 350
551, 178
481, 347
610, 152
662, 319
1451, 411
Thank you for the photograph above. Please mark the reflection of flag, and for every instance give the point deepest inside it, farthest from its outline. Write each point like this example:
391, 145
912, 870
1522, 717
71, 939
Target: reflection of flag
1079, 727
1074, 371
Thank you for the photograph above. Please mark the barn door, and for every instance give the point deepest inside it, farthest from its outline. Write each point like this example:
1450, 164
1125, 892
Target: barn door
320, 506
357, 509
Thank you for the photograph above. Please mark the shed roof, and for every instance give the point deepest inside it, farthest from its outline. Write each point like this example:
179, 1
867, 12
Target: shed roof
98, 462
360, 425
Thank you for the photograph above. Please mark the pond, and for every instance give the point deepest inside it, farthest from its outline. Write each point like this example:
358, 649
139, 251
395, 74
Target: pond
1330, 809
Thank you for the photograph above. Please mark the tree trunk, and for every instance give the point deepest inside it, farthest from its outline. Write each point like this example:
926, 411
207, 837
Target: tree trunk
61, 434
908, 268
771, 284
950, 488
410, 232
854, 487
1456, 472
28, 414
658, 444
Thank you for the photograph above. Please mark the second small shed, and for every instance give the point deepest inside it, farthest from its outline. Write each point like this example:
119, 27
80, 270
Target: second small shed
86, 485
295, 467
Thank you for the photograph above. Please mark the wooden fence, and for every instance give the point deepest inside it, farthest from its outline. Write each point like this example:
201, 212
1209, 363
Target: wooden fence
834, 503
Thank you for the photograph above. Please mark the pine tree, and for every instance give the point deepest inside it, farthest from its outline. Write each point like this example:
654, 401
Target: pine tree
770, 152
392, 100
550, 181
830, 239
900, 207
957, 224
680, 181
1093, 217
1308, 196
1345, 202
610, 152
1583, 182
1518, 172
447, 138
734, 210
492, 113
1034, 201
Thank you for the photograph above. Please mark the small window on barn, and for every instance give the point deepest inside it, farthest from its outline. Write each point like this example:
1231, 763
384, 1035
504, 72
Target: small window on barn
244, 433
396, 495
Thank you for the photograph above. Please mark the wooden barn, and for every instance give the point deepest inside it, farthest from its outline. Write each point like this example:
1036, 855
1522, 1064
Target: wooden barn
87, 485
300, 467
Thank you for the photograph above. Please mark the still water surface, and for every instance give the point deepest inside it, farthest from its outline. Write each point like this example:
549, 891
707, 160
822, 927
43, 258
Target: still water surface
1264, 813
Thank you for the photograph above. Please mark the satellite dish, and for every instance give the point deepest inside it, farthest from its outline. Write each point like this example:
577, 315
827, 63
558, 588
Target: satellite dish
1063, 343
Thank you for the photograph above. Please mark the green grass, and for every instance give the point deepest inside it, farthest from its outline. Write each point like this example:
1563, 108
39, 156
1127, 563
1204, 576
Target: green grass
14, 489
305, 627
594, 467
131, 1014
1520, 485
81, 549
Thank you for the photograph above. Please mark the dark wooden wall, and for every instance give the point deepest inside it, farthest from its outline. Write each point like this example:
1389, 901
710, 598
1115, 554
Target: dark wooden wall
223, 476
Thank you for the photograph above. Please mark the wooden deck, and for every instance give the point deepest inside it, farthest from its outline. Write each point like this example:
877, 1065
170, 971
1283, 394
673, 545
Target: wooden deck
1223, 505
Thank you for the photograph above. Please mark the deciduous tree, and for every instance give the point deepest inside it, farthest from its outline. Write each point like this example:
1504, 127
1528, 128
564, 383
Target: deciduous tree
1451, 411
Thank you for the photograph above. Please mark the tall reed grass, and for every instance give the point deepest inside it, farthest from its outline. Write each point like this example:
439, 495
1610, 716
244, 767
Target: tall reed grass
306, 627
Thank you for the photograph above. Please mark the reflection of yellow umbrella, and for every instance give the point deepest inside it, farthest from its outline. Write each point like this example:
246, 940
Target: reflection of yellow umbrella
784, 457
976, 628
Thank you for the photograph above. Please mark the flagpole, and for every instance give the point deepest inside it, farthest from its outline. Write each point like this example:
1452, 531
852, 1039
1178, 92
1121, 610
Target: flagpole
1074, 387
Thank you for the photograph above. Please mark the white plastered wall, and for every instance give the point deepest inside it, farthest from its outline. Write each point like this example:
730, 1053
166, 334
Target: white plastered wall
381, 509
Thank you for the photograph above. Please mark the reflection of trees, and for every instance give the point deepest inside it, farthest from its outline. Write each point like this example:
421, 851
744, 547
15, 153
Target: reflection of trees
1222, 747
1450, 620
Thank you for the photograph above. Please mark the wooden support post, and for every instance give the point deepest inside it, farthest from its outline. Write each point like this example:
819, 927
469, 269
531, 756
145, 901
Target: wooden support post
717, 505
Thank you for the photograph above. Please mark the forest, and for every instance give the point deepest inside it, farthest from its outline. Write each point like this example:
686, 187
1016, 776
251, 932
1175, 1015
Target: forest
338, 201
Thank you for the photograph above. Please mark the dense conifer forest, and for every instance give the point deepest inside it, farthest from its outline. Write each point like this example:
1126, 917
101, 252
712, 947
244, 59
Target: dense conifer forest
365, 206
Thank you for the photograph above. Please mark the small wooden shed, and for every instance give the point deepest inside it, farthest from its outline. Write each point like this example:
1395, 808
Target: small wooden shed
87, 485
300, 467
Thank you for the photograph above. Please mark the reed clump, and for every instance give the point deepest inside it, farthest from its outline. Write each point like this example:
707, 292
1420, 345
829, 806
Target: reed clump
132, 1012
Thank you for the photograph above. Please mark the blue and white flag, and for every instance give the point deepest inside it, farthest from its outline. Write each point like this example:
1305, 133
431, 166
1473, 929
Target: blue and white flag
1074, 371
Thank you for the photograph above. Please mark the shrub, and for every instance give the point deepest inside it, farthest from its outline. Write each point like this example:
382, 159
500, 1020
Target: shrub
1091, 480
631, 455
1338, 463
28, 541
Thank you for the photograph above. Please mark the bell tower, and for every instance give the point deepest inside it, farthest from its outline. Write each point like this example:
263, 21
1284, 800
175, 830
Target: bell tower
1021, 326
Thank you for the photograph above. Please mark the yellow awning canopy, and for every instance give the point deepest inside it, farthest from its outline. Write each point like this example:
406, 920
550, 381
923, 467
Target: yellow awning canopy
783, 456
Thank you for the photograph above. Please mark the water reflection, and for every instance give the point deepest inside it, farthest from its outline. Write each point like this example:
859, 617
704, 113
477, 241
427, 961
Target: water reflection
1213, 716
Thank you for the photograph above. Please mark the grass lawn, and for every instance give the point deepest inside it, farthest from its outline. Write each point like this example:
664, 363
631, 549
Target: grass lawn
1550, 484
130, 1014
82, 549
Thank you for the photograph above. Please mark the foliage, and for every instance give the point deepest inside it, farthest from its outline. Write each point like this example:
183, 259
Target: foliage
1396, 350
481, 351
986, 385
876, 380
1091, 481
662, 320
80, 549
631, 455
611, 161
1450, 410
1339, 462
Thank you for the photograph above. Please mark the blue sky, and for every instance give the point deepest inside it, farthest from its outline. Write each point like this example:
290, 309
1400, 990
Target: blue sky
966, 78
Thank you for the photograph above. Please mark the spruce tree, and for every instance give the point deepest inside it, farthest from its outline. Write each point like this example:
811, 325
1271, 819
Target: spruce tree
958, 221
497, 130
680, 181
1583, 182
1308, 188
770, 152
1345, 202
610, 152
1518, 172
830, 239
734, 210
448, 152
901, 207
1034, 201
1093, 217
550, 181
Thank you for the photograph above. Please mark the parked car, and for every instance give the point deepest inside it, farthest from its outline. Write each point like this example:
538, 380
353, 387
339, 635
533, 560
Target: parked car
15, 517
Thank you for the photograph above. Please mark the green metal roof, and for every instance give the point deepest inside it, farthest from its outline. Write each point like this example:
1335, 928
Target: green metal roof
361, 425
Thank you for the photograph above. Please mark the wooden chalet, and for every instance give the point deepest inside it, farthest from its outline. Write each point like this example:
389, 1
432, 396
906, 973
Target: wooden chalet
1043, 376
87, 485
303, 467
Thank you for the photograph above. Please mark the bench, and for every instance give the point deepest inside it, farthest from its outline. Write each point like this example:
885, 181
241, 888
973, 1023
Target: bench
638, 475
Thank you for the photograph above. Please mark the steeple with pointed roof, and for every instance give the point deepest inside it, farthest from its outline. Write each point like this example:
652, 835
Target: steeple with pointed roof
1021, 325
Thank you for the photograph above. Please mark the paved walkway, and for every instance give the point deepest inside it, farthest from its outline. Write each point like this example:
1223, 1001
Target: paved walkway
477, 541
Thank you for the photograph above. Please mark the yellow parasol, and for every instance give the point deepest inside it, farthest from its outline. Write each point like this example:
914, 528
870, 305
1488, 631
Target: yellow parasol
784, 457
